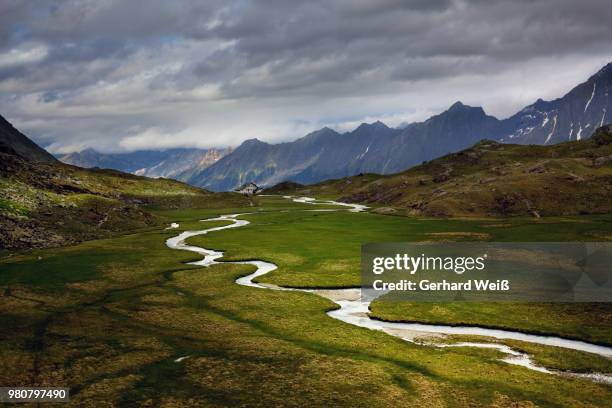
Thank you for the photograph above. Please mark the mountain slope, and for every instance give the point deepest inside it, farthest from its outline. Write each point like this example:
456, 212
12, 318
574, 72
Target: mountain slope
458, 127
171, 163
573, 117
377, 148
48, 203
13, 141
128, 162
180, 163
492, 179
266, 164
327, 154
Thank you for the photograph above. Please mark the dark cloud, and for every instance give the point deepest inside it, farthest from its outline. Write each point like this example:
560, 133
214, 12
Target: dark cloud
121, 74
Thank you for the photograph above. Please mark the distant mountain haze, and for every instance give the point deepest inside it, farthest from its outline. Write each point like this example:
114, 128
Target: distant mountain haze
370, 148
326, 154
172, 163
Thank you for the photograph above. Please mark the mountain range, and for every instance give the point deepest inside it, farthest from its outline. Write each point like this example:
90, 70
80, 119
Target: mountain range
178, 164
377, 148
370, 148
488, 179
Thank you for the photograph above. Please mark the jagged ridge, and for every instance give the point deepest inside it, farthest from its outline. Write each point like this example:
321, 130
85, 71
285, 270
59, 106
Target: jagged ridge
377, 148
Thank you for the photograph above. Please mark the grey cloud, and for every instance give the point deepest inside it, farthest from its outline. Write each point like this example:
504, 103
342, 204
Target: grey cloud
188, 69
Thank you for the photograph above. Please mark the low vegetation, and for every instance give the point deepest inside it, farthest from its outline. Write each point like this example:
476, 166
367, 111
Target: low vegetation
585, 321
110, 318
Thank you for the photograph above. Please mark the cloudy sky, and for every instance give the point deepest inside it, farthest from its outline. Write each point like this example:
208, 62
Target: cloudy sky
125, 75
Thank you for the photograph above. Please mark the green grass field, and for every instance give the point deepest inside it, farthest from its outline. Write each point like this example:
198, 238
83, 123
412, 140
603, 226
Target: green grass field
108, 318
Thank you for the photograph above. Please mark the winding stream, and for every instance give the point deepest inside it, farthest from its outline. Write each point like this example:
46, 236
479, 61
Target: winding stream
353, 310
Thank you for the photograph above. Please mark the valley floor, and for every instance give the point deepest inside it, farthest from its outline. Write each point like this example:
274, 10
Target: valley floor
126, 321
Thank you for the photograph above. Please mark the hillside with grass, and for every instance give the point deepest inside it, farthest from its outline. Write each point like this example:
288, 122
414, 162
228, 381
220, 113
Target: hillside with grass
45, 203
490, 179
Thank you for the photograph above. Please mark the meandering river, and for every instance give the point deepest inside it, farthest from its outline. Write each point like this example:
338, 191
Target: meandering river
354, 310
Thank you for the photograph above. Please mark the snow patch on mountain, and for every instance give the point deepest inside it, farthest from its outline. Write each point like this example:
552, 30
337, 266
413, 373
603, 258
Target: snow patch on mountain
591, 98
554, 126
364, 153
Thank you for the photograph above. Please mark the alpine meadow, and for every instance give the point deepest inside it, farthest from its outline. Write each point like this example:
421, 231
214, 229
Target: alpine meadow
324, 204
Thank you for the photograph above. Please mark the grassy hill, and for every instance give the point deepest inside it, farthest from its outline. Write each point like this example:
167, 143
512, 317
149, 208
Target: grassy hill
46, 204
491, 179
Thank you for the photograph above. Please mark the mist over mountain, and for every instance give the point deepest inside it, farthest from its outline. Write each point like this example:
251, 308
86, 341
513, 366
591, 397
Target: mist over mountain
376, 148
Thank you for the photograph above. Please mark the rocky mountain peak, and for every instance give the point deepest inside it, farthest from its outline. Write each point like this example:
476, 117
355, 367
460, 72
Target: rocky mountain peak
252, 142
372, 126
457, 106
379, 125
459, 109
324, 131
605, 72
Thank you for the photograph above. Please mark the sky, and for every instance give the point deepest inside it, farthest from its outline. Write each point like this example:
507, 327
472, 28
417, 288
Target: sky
127, 75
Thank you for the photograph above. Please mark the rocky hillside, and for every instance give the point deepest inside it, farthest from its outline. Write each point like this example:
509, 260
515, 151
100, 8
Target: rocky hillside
47, 203
377, 148
491, 179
